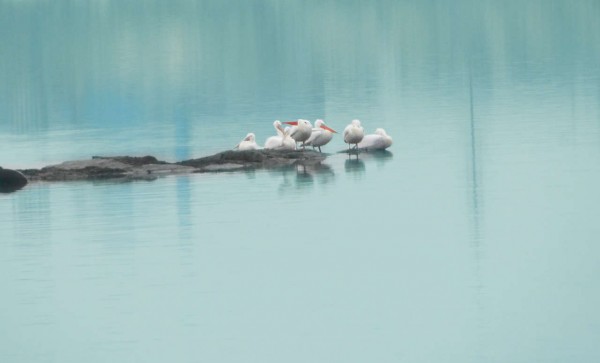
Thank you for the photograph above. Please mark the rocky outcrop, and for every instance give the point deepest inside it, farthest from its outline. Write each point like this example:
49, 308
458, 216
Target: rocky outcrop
148, 167
97, 168
11, 180
252, 159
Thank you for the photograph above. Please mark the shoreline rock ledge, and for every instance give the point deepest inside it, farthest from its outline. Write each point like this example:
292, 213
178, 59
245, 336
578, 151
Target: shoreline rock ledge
148, 167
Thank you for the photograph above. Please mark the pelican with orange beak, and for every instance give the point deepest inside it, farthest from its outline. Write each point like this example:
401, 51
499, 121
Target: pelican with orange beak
321, 135
301, 131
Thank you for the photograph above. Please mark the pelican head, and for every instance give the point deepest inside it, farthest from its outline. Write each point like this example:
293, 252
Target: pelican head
356, 123
278, 126
301, 124
321, 124
381, 132
306, 123
250, 137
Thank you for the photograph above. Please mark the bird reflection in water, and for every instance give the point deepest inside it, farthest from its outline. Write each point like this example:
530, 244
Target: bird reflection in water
303, 175
322, 172
379, 156
355, 167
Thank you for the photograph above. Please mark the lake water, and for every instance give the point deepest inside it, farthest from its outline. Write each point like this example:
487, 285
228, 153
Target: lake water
475, 239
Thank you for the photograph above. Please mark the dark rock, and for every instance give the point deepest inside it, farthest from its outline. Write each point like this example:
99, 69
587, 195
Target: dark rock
133, 160
88, 172
11, 180
100, 168
30, 173
83, 170
252, 159
148, 167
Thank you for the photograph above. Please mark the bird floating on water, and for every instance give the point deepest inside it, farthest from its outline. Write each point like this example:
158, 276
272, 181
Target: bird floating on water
321, 135
380, 140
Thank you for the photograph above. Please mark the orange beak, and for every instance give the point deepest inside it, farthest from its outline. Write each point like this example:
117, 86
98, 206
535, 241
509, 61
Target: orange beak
328, 129
293, 123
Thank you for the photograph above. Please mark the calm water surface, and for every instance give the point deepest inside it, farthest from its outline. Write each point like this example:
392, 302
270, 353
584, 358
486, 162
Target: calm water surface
475, 239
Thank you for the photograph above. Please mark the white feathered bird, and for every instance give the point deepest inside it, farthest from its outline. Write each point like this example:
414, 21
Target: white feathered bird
380, 140
248, 143
353, 134
321, 135
282, 141
301, 130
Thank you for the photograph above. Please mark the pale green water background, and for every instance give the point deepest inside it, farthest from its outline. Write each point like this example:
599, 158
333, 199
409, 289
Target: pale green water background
475, 240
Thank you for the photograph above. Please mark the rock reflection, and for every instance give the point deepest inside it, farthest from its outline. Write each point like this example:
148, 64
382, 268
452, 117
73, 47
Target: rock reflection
184, 210
323, 172
304, 179
117, 181
250, 173
34, 215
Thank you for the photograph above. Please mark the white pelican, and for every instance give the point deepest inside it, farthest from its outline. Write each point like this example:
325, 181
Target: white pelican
320, 135
380, 140
301, 130
288, 142
282, 141
353, 134
249, 143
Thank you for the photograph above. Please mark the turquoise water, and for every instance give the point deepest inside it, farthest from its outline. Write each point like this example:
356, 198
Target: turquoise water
475, 239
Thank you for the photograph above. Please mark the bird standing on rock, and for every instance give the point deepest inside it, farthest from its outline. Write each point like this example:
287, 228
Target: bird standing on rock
353, 134
301, 131
320, 135
248, 143
282, 141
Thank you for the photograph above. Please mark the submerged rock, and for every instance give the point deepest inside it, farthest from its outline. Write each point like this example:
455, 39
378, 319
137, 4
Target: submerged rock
11, 180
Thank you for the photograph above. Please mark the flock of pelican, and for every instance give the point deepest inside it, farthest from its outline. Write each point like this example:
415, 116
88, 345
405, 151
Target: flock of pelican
303, 133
